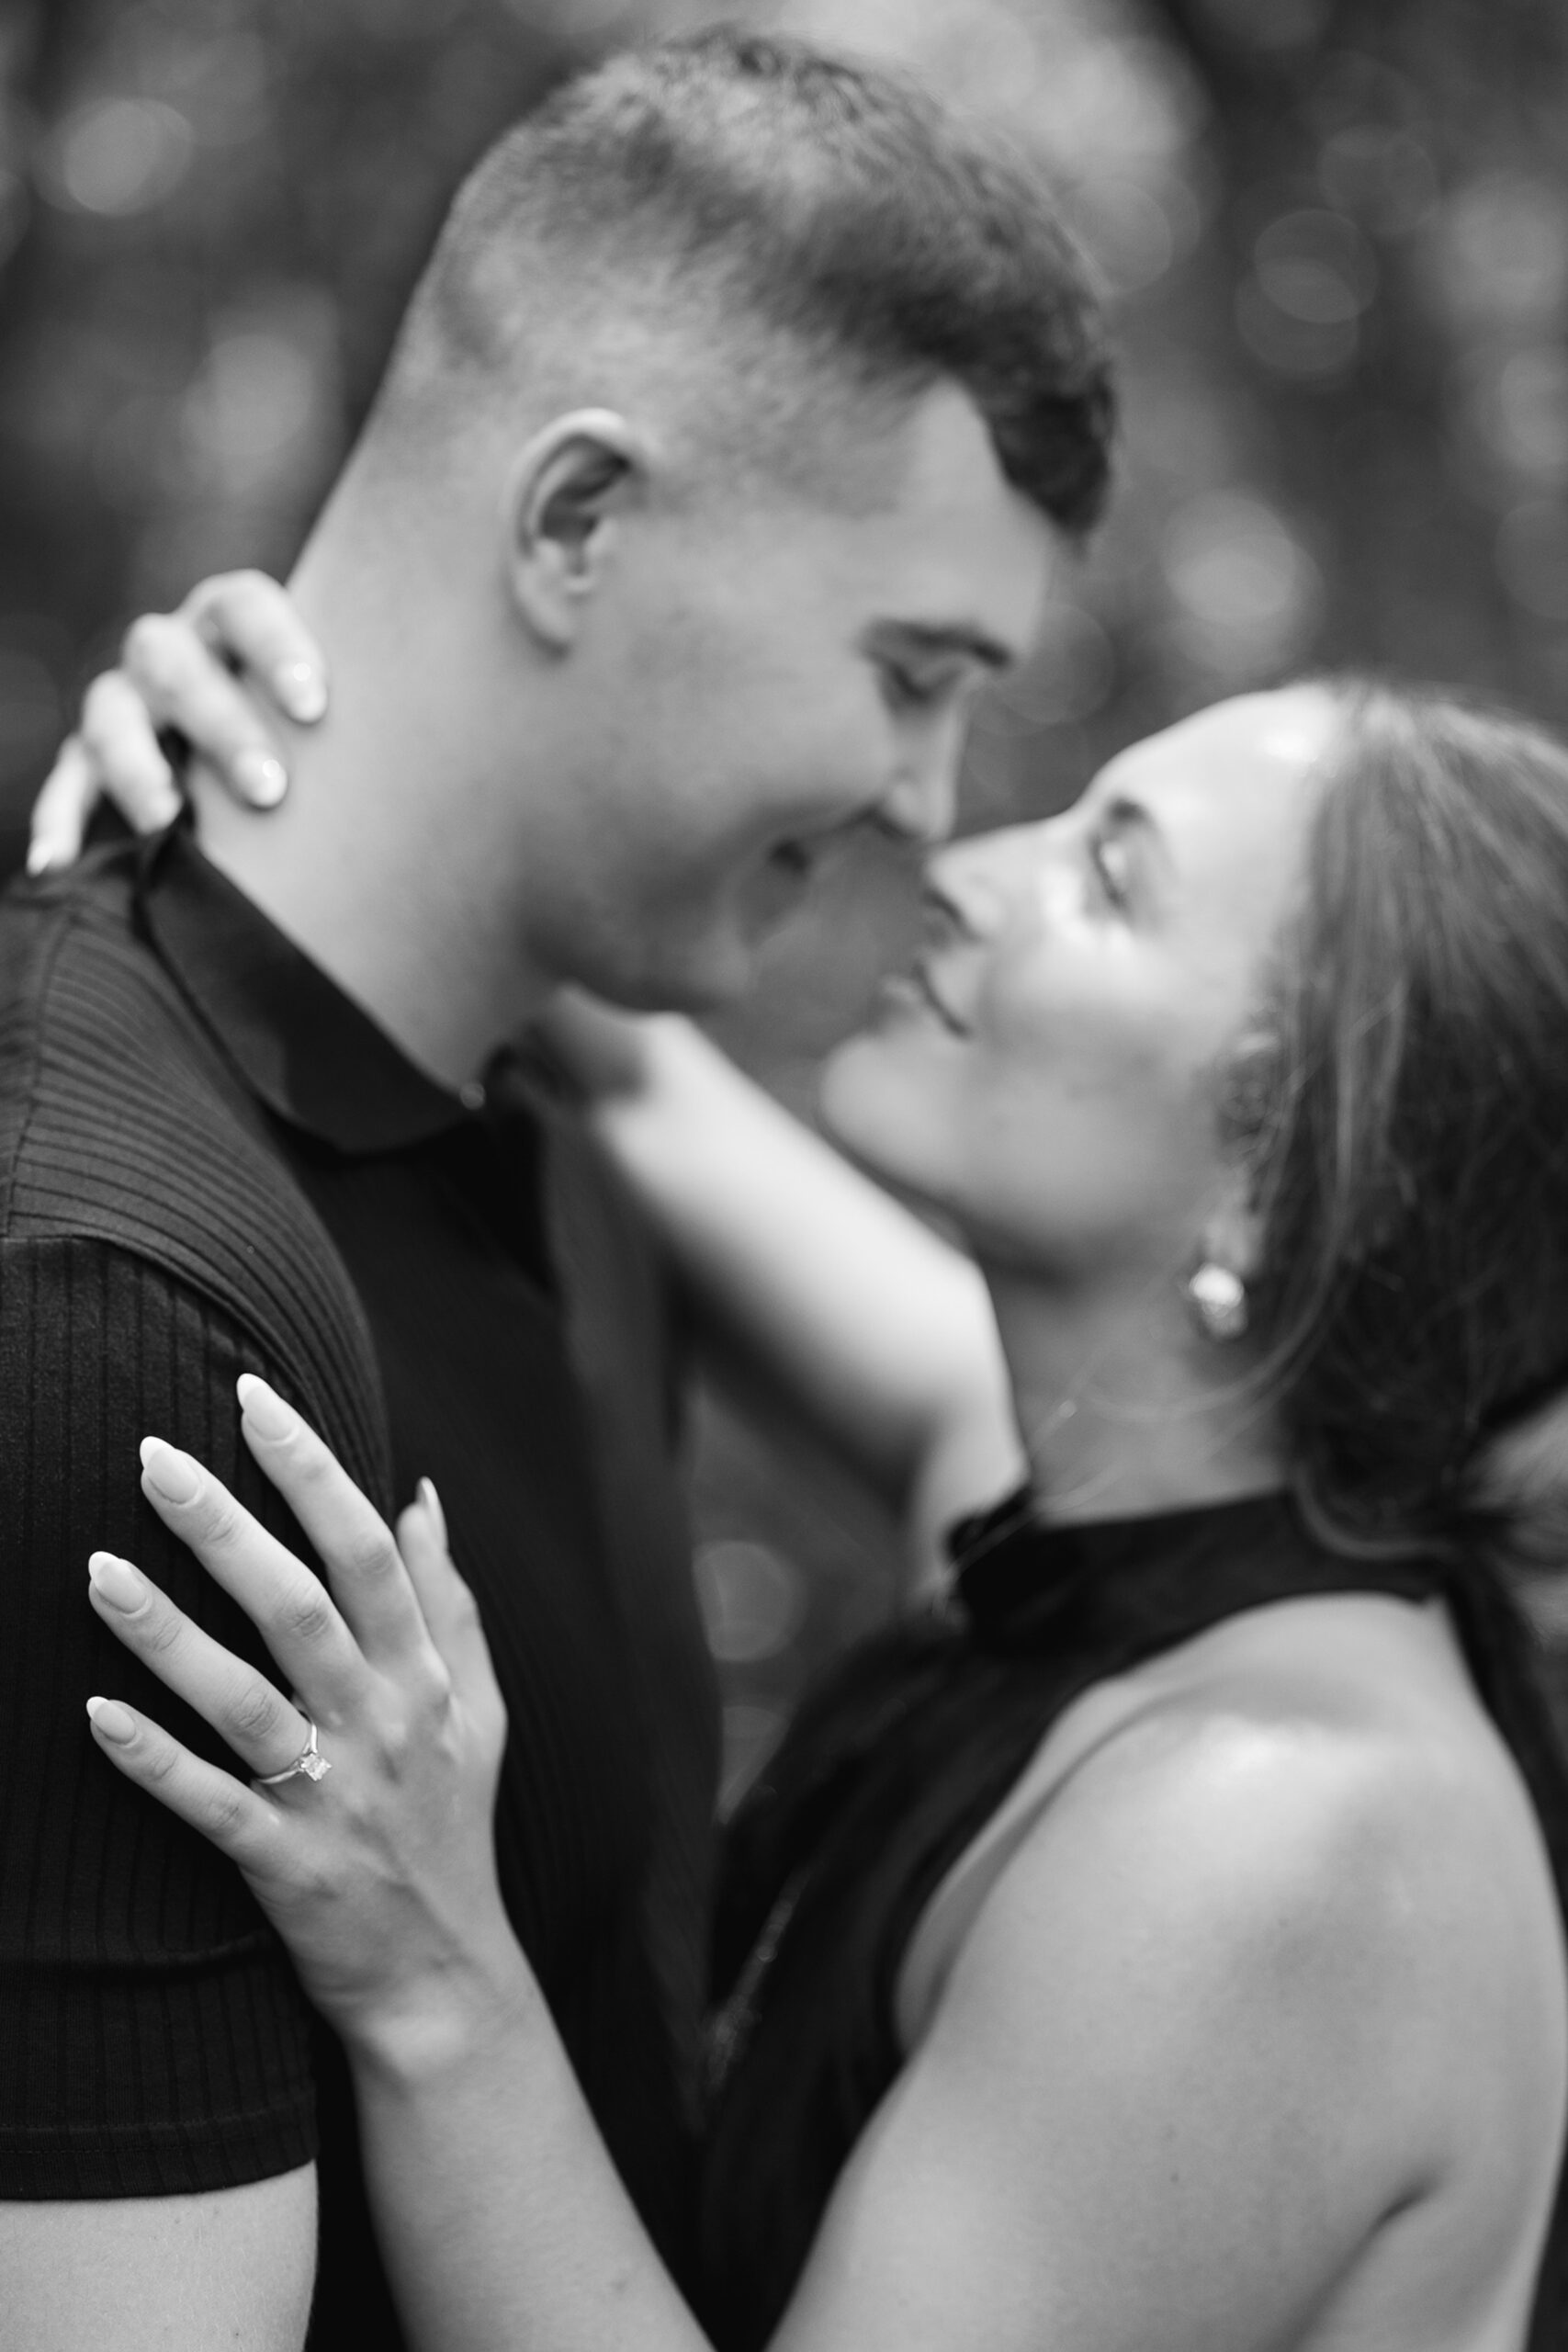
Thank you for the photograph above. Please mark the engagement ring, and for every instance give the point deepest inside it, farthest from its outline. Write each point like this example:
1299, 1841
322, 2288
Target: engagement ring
309, 1761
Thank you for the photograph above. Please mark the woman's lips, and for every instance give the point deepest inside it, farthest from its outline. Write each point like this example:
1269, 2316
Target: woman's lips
916, 989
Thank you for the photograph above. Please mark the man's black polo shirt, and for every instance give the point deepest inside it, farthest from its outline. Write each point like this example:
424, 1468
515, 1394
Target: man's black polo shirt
211, 1161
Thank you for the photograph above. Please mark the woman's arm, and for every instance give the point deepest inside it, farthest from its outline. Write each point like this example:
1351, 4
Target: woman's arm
817, 1288
1141, 2117
824, 1297
1167, 2096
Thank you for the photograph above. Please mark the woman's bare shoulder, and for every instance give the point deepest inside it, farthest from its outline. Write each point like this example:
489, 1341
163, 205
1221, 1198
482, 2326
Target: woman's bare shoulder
1256, 2033
1309, 1839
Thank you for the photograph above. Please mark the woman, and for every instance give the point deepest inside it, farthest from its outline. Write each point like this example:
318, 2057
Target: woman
1160, 1945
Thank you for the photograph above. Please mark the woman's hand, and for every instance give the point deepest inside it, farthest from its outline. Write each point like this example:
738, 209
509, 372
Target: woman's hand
380, 1876
194, 673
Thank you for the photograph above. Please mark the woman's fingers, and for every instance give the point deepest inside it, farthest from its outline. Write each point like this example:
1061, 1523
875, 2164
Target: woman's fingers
258, 1722
252, 622
185, 684
449, 1608
177, 671
291, 1607
243, 1825
353, 1540
67, 799
119, 734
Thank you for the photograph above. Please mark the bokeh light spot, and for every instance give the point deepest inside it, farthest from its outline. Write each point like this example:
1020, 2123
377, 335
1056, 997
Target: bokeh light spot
263, 403
1384, 176
752, 1600
116, 156
1531, 410
1245, 592
1132, 233
1315, 268
1504, 250
1314, 351
1532, 556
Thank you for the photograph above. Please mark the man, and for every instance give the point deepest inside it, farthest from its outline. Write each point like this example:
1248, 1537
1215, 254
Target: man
719, 459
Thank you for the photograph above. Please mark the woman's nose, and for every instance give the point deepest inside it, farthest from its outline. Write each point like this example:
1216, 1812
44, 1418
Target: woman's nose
971, 885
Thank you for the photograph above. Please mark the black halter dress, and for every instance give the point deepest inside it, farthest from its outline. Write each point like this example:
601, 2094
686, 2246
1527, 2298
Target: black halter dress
893, 1767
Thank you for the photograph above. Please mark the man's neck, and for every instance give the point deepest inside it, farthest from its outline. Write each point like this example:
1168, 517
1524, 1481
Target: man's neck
1121, 1408
366, 865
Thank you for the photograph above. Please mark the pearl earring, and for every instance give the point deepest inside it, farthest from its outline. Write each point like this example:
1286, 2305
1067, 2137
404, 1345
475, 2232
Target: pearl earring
1218, 1298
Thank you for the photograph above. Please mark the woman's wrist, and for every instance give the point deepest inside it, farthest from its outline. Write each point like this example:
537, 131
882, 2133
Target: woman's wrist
425, 2031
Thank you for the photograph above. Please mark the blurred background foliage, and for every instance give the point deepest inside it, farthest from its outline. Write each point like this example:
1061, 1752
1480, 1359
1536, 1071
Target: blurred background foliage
1335, 237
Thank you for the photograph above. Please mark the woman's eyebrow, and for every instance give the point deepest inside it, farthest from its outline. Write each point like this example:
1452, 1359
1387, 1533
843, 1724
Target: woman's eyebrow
1131, 817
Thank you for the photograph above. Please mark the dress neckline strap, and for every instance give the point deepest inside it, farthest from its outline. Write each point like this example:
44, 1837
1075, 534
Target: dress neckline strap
1024, 1583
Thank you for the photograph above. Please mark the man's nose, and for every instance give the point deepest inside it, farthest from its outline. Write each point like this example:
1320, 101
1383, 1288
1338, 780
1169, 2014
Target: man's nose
922, 803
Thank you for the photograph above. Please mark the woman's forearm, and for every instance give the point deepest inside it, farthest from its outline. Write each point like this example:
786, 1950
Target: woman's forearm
850, 1313
504, 2224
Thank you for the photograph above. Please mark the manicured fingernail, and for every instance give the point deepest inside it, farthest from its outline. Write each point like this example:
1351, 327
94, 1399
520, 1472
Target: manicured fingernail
264, 1409
263, 779
302, 691
174, 1474
432, 1502
116, 1581
111, 1721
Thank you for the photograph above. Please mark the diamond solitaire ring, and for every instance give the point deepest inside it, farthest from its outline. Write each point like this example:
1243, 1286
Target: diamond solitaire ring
309, 1761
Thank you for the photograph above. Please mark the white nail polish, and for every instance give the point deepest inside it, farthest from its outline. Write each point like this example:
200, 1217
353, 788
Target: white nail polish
301, 692
265, 1410
263, 779
432, 1502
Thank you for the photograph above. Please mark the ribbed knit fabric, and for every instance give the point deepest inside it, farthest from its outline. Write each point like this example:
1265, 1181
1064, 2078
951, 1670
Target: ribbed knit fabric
151, 2040
120, 1123
210, 1162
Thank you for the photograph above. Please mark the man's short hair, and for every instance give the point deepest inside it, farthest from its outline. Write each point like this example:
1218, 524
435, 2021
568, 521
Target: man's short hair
818, 226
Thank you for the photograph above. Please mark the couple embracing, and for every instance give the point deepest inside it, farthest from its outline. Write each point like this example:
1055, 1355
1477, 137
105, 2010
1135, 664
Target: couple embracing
1155, 1938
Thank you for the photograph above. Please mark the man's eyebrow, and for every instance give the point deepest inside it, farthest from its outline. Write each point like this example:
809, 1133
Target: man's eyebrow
949, 636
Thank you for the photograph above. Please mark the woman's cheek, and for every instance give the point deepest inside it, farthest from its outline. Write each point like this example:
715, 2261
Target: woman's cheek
1103, 1017
893, 1106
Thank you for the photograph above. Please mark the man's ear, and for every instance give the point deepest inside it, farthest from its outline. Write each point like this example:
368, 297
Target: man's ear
565, 495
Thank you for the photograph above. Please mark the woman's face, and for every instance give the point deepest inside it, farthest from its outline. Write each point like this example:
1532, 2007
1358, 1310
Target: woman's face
1046, 1073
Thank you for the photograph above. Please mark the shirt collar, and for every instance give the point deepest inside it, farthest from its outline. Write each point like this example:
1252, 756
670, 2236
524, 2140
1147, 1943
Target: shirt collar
307, 1051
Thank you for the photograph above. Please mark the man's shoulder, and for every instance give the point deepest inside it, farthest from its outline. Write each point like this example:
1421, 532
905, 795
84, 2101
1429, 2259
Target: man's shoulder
112, 1096
123, 1123
75, 973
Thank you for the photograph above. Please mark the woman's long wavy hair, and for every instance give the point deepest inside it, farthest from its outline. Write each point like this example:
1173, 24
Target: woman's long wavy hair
1405, 1115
